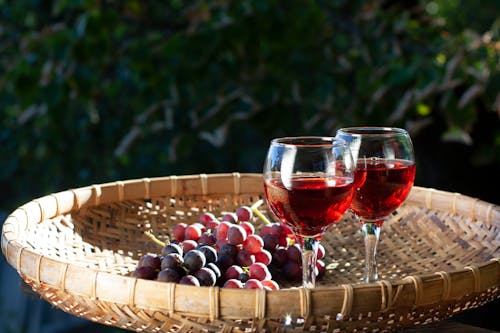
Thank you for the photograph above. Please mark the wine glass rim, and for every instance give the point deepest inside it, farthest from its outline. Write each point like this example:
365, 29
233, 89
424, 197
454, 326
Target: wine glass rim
373, 130
304, 141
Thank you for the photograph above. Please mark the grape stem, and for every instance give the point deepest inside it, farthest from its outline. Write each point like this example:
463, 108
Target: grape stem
257, 212
150, 235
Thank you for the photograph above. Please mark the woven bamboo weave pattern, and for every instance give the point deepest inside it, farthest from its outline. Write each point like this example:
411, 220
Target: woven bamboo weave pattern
439, 254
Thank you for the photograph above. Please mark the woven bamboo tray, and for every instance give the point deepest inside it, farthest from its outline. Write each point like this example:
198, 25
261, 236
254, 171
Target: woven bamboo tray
438, 255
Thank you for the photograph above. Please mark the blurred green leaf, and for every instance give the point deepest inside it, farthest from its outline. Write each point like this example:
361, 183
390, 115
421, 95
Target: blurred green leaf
79, 76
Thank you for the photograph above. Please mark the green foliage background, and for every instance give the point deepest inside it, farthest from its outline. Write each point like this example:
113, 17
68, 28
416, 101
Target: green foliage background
94, 91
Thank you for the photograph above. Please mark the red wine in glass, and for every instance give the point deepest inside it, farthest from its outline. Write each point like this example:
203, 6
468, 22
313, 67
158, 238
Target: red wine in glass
381, 187
383, 178
310, 205
308, 184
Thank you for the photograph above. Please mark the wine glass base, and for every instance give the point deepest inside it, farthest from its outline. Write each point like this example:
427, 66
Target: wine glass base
370, 279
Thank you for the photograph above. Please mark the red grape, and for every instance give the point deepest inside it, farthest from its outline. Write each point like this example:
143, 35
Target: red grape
249, 228
244, 213
264, 257
320, 268
321, 251
189, 245
287, 231
233, 272
266, 230
207, 217
230, 217
211, 225
222, 229
192, 232
253, 284
277, 230
271, 284
178, 231
283, 240
207, 238
236, 235
233, 283
259, 271
200, 226
253, 244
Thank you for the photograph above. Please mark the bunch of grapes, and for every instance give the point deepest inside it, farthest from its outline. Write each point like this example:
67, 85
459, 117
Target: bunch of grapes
286, 255
227, 252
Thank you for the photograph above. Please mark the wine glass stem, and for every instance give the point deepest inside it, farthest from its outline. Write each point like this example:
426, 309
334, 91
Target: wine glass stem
371, 234
309, 257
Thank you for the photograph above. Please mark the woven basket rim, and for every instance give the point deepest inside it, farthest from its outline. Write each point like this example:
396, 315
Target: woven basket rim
30, 265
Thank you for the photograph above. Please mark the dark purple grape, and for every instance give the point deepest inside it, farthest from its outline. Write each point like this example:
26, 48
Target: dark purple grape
189, 280
209, 252
224, 261
171, 248
294, 253
280, 257
243, 277
229, 250
194, 260
173, 261
150, 260
270, 242
168, 275
145, 272
215, 269
292, 271
277, 230
244, 258
206, 277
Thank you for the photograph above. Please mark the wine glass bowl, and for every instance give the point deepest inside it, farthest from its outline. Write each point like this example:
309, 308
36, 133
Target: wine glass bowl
383, 177
308, 184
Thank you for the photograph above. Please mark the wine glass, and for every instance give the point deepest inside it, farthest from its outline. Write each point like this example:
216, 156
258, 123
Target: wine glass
383, 177
308, 183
